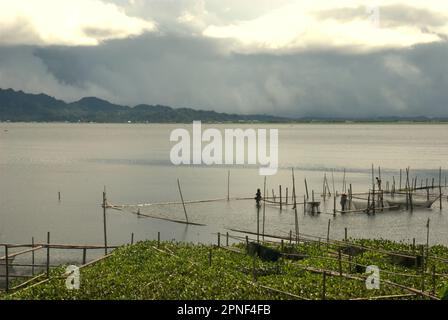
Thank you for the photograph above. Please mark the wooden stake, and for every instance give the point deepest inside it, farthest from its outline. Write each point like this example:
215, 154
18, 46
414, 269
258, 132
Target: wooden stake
227, 239
219, 239
328, 231
132, 238
345, 231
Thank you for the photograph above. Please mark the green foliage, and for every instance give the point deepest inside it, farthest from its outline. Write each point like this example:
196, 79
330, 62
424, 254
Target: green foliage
182, 271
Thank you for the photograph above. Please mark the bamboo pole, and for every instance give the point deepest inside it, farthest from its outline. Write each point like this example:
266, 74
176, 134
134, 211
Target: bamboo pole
84, 256
427, 239
304, 204
264, 205
280, 194
324, 189
7, 268
332, 179
182, 199
228, 185
48, 254
258, 223
334, 205
32, 256
440, 187
104, 220
296, 218
306, 189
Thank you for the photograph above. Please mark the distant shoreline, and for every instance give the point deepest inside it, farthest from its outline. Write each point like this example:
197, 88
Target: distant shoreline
341, 122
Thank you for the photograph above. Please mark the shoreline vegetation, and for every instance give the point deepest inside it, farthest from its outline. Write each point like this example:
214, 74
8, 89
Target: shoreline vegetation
307, 270
18, 106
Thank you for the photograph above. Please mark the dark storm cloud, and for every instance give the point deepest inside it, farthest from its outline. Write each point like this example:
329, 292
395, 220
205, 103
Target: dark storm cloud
205, 73
390, 16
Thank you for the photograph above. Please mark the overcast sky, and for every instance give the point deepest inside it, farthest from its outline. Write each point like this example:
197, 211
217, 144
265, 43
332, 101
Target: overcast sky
345, 58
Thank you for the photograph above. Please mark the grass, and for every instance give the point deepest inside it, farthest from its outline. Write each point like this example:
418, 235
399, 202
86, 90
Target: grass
182, 271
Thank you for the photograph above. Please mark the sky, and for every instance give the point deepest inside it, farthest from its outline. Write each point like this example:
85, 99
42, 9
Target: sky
320, 58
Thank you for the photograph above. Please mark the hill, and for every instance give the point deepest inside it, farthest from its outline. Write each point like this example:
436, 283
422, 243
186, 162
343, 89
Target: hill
18, 106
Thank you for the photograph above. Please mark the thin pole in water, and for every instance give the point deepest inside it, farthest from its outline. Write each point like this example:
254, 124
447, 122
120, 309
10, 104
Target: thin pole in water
264, 205
440, 187
281, 199
296, 218
182, 199
48, 254
32, 256
104, 220
7, 268
306, 189
228, 185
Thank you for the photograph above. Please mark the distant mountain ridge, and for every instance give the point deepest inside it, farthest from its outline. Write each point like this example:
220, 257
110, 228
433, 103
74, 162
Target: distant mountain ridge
18, 106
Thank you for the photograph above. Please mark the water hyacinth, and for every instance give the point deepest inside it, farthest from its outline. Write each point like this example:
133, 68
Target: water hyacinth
182, 271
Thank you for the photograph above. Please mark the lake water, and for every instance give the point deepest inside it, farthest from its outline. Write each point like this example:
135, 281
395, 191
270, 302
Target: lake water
39, 160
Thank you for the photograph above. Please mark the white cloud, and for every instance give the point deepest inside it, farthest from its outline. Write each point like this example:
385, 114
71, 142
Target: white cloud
66, 22
300, 25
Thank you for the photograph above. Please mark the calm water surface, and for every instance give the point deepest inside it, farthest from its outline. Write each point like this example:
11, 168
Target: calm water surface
39, 160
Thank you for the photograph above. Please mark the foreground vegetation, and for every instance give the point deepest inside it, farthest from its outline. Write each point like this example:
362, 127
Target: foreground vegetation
170, 270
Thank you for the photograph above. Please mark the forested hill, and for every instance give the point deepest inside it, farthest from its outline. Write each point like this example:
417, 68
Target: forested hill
18, 106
